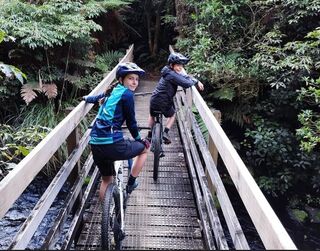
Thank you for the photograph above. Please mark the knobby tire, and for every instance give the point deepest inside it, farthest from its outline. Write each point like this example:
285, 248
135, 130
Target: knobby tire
157, 150
111, 220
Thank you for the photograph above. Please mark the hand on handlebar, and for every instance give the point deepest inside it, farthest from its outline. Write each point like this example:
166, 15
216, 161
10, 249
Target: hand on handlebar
145, 142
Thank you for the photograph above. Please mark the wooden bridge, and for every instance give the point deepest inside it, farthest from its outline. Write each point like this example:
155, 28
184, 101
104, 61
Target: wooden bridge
179, 211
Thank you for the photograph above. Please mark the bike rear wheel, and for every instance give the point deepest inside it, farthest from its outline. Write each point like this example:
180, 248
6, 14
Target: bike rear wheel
111, 234
156, 150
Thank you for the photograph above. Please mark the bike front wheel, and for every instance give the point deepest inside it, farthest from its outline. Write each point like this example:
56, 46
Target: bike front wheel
111, 233
156, 150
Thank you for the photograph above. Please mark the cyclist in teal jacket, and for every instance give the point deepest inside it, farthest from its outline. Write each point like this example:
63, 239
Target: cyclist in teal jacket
107, 141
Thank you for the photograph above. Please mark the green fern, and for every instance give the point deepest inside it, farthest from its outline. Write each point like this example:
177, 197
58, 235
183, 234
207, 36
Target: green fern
106, 61
201, 123
224, 93
53, 23
87, 82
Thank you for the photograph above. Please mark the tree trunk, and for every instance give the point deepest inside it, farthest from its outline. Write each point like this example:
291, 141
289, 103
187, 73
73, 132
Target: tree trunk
157, 28
182, 16
148, 14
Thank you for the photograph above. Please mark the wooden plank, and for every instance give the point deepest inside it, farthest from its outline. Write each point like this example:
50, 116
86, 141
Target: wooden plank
31, 224
74, 225
234, 226
230, 216
12, 186
269, 227
55, 230
171, 48
213, 217
212, 148
199, 198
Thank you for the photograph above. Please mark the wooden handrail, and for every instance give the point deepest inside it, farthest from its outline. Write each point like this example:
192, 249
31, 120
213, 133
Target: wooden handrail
269, 227
234, 227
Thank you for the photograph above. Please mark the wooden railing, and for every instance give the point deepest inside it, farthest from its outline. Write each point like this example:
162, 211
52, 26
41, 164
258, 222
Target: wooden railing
266, 222
14, 184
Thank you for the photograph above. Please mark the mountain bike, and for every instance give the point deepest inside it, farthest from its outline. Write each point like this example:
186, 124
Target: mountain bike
113, 209
156, 143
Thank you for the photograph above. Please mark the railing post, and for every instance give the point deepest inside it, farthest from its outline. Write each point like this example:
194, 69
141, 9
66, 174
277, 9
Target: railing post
189, 106
213, 151
212, 148
72, 142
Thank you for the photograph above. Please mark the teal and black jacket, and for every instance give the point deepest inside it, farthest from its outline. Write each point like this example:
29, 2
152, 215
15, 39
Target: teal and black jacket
116, 109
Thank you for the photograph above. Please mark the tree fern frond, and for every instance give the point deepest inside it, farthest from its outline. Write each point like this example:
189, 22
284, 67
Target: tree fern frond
27, 93
50, 90
235, 113
73, 78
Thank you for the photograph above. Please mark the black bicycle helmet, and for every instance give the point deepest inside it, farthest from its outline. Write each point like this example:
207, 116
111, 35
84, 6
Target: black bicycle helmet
177, 58
127, 68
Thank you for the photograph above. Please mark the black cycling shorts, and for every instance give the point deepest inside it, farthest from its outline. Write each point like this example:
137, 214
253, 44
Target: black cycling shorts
105, 155
167, 112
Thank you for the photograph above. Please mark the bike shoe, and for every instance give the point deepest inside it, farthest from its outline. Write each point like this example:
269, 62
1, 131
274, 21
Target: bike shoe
166, 138
129, 189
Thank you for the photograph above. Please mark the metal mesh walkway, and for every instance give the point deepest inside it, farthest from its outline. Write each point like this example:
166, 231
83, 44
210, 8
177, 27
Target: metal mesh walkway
159, 215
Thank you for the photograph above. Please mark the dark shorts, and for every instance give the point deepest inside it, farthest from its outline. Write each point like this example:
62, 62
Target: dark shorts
167, 112
105, 155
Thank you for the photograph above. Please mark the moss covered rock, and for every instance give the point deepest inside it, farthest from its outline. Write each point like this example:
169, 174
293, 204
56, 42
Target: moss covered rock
299, 215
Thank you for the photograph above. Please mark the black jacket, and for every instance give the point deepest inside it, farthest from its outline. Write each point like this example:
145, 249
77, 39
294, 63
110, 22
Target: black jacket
162, 96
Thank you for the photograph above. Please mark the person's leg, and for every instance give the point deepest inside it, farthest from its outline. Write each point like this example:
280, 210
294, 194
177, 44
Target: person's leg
138, 149
105, 166
105, 181
138, 163
170, 115
170, 121
150, 124
150, 121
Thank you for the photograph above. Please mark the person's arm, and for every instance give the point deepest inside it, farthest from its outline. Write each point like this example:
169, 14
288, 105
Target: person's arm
129, 113
199, 84
93, 99
182, 80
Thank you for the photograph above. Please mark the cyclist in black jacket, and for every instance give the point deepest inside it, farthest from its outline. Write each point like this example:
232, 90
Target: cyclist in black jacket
172, 76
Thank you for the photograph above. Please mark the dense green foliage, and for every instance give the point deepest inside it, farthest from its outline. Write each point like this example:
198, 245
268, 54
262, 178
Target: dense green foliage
53, 22
50, 55
17, 144
261, 69
53, 44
